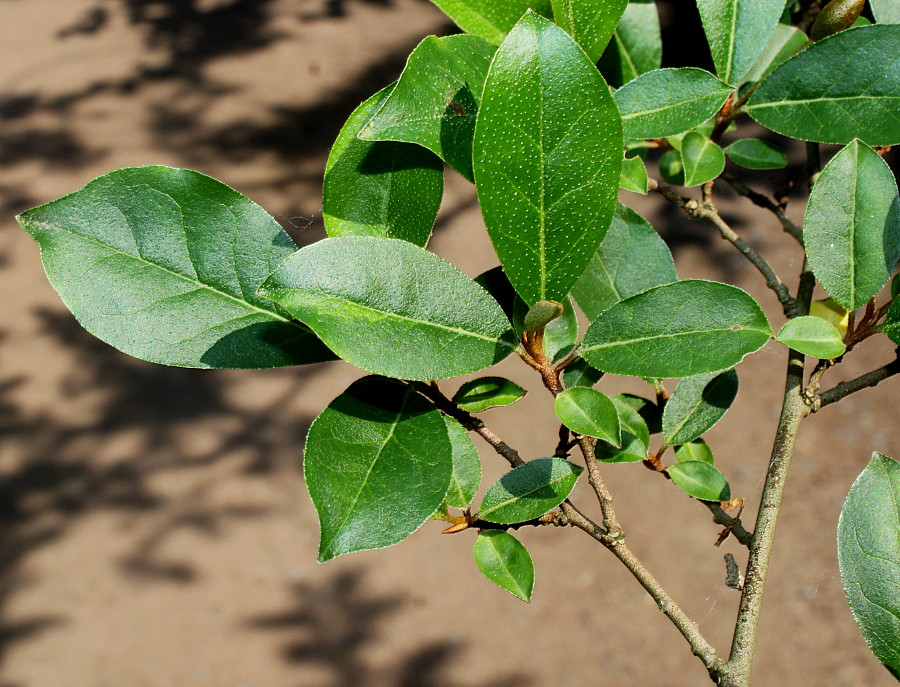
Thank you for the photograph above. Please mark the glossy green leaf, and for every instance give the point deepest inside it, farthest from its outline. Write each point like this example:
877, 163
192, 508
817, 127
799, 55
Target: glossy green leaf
891, 326
755, 154
377, 464
697, 404
590, 22
737, 32
580, 373
785, 42
676, 330
548, 154
671, 167
636, 46
701, 480
650, 413
164, 264
561, 334
812, 336
505, 561
886, 11
845, 86
392, 308
382, 188
665, 102
466, 474
631, 259
490, 19
868, 539
852, 226
703, 160
529, 490
695, 450
487, 392
587, 411
634, 175
635, 433
436, 100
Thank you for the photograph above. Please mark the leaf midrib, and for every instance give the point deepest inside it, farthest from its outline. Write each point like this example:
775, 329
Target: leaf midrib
694, 332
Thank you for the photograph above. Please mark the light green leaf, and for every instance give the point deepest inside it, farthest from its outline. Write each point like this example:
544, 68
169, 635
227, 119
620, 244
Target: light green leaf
671, 167
631, 259
587, 411
636, 46
385, 189
490, 19
886, 11
505, 561
487, 392
868, 539
392, 308
634, 175
784, 43
697, 404
695, 450
435, 102
852, 226
377, 465
466, 474
676, 330
737, 32
665, 102
843, 87
701, 480
812, 336
580, 373
164, 264
891, 326
703, 160
755, 154
590, 22
548, 154
529, 490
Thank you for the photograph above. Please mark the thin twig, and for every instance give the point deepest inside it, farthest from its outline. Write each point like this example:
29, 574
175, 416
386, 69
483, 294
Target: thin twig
732, 526
765, 202
870, 379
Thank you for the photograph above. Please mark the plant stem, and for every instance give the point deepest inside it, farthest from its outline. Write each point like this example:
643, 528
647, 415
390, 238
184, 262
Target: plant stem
764, 202
865, 381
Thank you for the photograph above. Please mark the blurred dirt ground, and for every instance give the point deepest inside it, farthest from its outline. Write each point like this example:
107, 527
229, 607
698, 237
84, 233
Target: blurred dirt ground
155, 528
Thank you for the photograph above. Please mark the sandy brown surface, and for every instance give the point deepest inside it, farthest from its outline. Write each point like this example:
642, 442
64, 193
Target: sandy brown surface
155, 528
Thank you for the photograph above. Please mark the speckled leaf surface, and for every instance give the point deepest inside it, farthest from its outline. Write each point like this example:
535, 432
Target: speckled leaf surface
529, 490
737, 31
466, 473
548, 154
505, 561
490, 19
636, 46
697, 404
590, 22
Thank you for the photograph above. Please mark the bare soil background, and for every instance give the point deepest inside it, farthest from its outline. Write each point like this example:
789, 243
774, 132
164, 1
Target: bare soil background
154, 527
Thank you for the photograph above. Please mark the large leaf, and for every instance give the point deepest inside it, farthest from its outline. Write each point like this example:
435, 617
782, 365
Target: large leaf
697, 404
490, 19
631, 259
529, 490
435, 102
636, 46
377, 464
886, 11
164, 264
737, 32
505, 561
382, 188
868, 539
843, 87
666, 102
466, 474
676, 330
783, 44
548, 153
852, 226
392, 308
891, 326
590, 22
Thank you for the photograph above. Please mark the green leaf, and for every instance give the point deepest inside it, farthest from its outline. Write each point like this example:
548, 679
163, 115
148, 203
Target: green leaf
466, 474
886, 11
634, 175
868, 539
631, 259
541, 314
392, 308
784, 43
695, 450
580, 373
490, 19
164, 264
701, 480
385, 189
435, 102
671, 167
590, 22
891, 326
676, 330
635, 433
852, 226
561, 334
812, 336
377, 465
487, 392
665, 102
636, 46
843, 87
587, 411
755, 154
697, 404
548, 154
633, 450
703, 160
737, 32
895, 286
529, 491
650, 413
505, 561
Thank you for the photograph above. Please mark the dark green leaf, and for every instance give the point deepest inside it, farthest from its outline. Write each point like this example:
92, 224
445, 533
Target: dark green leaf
785, 42
392, 308
695, 450
755, 154
676, 330
505, 561
580, 373
377, 465
590, 22
548, 154
886, 11
701, 480
529, 490
495, 282
490, 19
648, 410
737, 32
487, 392
671, 167
634, 175
164, 264
895, 286
812, 336
633, 450
868, 539
587, 411
466, 474
891, 326
629, 409
703, 160
697, 404
636, 46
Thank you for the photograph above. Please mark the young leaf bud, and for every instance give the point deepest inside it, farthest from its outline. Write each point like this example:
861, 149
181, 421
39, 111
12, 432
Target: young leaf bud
836, 16
541, 314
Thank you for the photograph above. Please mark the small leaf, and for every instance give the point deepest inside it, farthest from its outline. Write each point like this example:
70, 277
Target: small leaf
697, 404
813, 336
490, 19
505, 561
636, 46
650, 413
703, 160
590, 22
755, 154
868, 539
634, 175
895, 286
671, 167
676, 330
561, 334
580, 373
837, 15
466, 475
541, 314
587, 411
785, 42
701, 480
737, 31
529, 491
629, 409
886, 11
633, 450
891, 326
695, 450
487, 392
